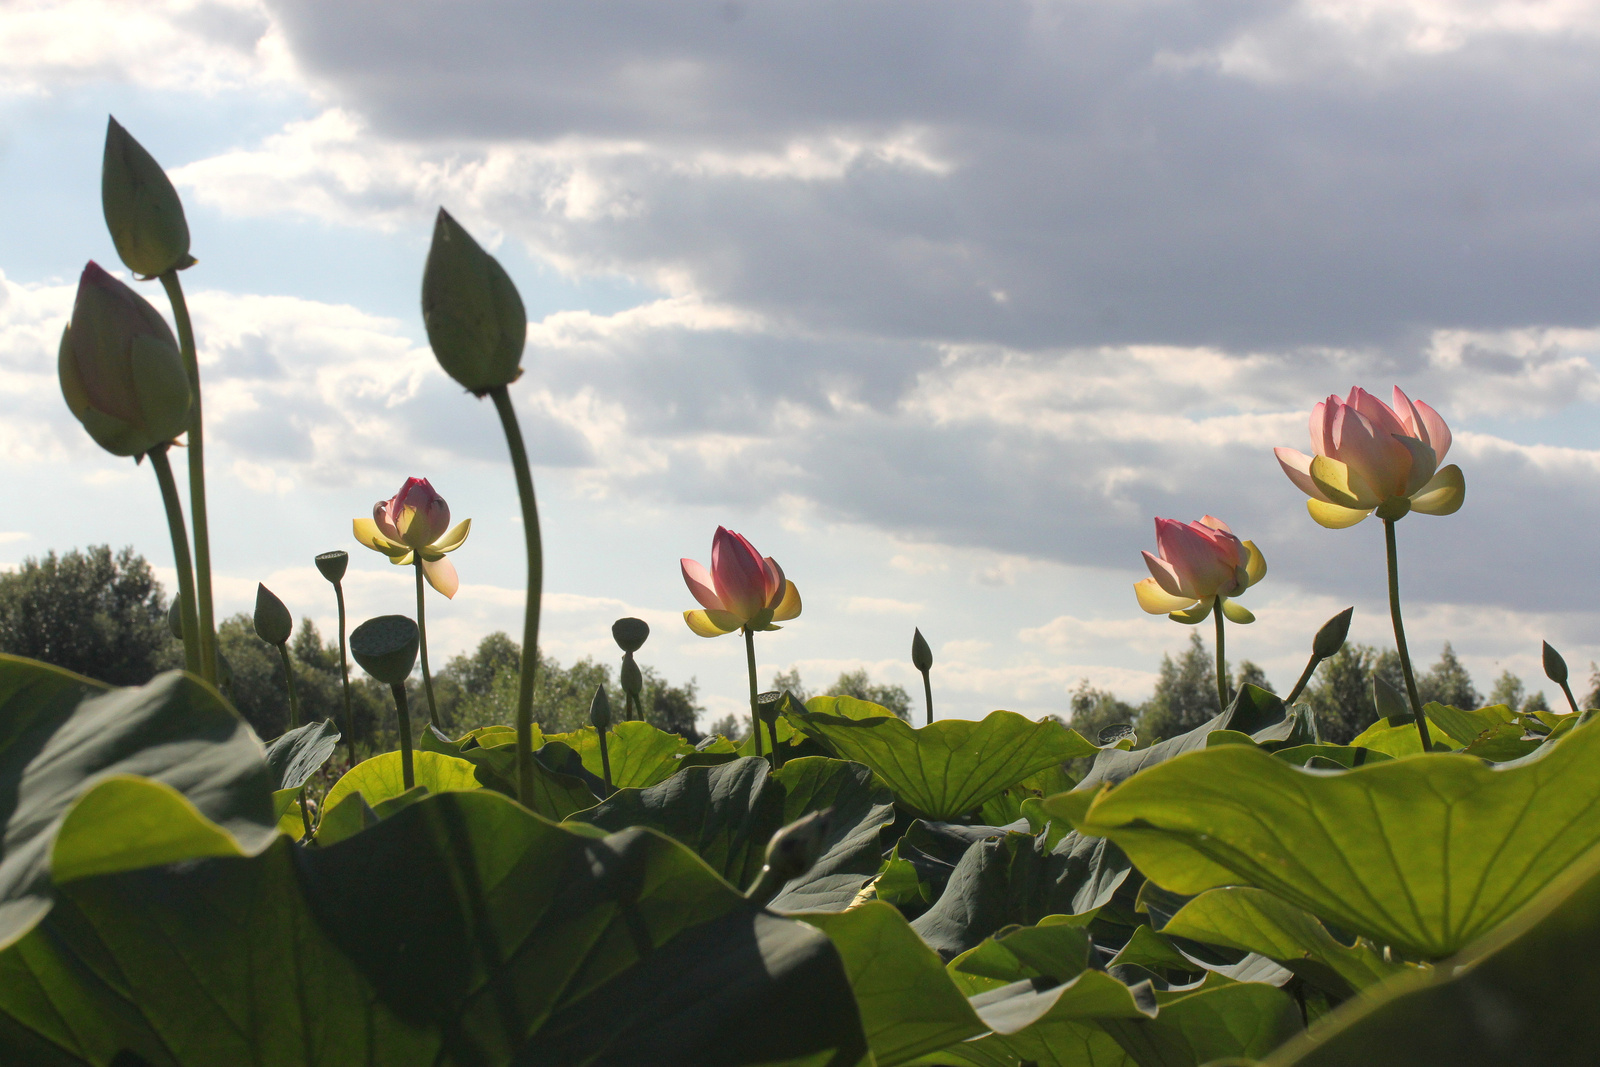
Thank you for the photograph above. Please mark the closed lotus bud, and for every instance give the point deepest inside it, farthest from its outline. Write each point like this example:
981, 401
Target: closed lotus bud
1330, 639
333, 564
386, 647
795, 848
632, 679
1389, 703
921, 654
630, 633
1555, 668
175, 619
272, 619
600, 709
142, 208
121, 372
474, 317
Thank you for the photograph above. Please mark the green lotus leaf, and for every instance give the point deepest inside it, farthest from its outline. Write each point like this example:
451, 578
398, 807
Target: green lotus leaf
1423, 854
381, 778
297, 755
641, 754
952, 767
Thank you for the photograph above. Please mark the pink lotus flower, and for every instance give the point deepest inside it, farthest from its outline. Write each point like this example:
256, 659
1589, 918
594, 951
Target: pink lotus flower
743, 589
414, 521
1373, 457
1201, 564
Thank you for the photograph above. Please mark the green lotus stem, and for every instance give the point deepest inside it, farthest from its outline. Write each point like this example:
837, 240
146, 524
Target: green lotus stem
422, 643
1305, 678
180, 552
530, 619
408, 774
305, 814
927, 695
197, 481
344, 677
605, 759
1222, 662
750, 663
772, 734
1400, 635
288, 677
1571, 701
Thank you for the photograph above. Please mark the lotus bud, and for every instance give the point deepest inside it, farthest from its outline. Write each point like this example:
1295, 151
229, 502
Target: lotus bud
1390, 704
1330, 639
175, 619
142, 208
121, 372
475, 319
630, 634
333, 564
921, 654
600, 709
1555, 668
272, 619
386, 647
792, 852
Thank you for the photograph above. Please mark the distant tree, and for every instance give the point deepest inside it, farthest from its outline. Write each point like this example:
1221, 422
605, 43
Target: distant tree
1095, 709
856, 684
1251, 674
101, 615
254, 683
789, 681
1185, 694
734, 727
1448, 682
1508, 690
1340, 694
1535, 703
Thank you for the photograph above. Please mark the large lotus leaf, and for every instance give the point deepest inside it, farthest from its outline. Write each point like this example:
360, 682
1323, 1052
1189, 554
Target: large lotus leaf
1523, 996
383, 777
1422, 854
461, 930
923, 858
728, 813
1229, 1021
1047, 1043
1253, 711
951, 767
297, 755
641, 755
61, 735
561, 785
1256, 921
909, 1006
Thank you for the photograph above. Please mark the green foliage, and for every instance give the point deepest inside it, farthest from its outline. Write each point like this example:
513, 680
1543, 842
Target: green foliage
857, 684
258, 691
100, 615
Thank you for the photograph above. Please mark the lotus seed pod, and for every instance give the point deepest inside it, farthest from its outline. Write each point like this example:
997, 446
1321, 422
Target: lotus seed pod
1330, 639
1555, 668
272, 619
767, 705
630, 633
386, 647
142, 208
921, 654
333, 564
474, 317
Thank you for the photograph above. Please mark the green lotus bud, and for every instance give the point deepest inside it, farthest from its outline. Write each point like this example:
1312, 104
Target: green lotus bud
386, 647
632, 679
1390, 704
142, 208
600, 709
175, 618
1330, 639
792, 852
121, 372
630, 633
333, 564
272, 618
921, 654
474, 317
1555, 668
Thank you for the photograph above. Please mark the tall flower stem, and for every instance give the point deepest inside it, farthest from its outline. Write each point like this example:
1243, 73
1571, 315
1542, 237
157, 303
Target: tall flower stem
197, 481
294, 695
344, 678
402, 711
927, 693
422, 644
1400, 635
180, 553
755, 706
530, 619
1222, 660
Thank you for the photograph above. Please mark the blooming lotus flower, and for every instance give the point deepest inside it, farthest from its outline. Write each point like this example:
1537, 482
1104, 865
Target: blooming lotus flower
410, 525
743, 589
1373, 457
1201, 564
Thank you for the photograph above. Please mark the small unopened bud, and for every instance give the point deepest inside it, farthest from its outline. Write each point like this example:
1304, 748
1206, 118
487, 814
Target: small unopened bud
1555, 668
632, 679
630, 633
921, 654
1330, 639
175, 619
386, 647
474, 317
142, 208
791, 852
1390, 704
333, 564
272, 619
600, 709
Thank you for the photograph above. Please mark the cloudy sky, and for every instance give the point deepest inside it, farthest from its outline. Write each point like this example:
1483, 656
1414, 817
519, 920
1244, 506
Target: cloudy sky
938, 303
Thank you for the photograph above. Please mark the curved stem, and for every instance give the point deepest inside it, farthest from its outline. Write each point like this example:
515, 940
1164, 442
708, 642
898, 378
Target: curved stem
197, 481
1400, 634
1305, 677
530, 619
422, 643
344, 678
180, 553
927, 693
1222, 662
408, 774
288, 677
1567, 689
750, 663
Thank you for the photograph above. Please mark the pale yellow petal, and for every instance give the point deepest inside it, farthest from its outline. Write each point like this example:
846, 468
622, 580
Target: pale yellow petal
1256, 565
1333, 516
1156, 600
367, 533
1443, 495
789, 606
702, 623
454, 539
